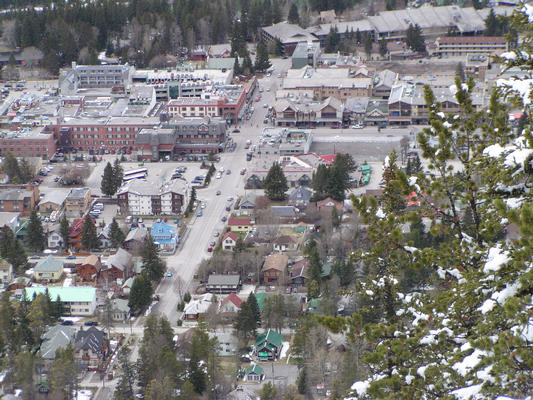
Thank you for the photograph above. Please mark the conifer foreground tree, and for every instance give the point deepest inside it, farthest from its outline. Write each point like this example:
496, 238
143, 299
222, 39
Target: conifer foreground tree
469, 335
36, 238
89, 238
275, 183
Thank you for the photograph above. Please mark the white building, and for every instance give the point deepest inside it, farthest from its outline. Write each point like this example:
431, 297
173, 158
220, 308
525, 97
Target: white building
77, 300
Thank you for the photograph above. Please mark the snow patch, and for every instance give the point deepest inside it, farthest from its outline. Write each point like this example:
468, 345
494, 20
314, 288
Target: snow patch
409, 378
380, 214
447, 124
469, 362
421, 371
361, 387
521, 86
496, 258
467, 393
284, 350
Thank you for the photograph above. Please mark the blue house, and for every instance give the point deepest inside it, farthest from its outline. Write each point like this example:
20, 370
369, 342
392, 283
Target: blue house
165, 236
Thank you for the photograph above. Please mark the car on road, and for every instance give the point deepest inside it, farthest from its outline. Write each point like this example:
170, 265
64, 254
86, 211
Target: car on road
218, 175
71, 257
202, 205
228, 208
199, 213
243, 171
210, 249
35, 257
228, 171
356, 126
212, 243
67, 322
218, 193
230, 198
224, 219
217, 234
236, 130
169, 274
265, 105
91, 323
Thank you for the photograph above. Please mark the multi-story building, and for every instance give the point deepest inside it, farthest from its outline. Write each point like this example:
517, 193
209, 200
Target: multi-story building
76, 300
77, 202
182, 136
193, 107
296, 112
288, 34
138, 198
284, 142
95, 76
34, 142
305, 53
476, 66
463, 45
18, 198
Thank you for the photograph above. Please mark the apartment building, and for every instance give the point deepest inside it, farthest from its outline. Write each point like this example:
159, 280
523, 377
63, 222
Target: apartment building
77, 300
18, 198
34, 142
462, 45
94, 76
77, 202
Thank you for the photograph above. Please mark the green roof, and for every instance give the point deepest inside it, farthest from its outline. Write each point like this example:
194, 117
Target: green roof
254, 369
271, 337
260, 297
69, 294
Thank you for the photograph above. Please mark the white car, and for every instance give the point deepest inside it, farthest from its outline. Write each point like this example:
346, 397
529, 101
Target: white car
218, 175
356, 126
265, 105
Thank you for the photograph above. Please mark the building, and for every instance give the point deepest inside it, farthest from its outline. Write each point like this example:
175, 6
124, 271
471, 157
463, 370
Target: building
181, 136
285, 243
300, 197
120, 311
165, 237
89, 268
377, 113
305, 53
223, 283
77, 202
53, 200
94, 76
344, 29
57, 337
231, 304
135, 239
48, 270
193, 107
275, 269
254, 373
9, 219
76, 300
246, 204
240, 224
229, 240
298, 273
19, 198
138, 198
462, 45
118, 266
288, 34
308, 113
476, 66
53, 236
199, 305
104, 237
74, 236
91, 348
6, 272
28, 142
281, 142
268, 345
383, 83
328, 203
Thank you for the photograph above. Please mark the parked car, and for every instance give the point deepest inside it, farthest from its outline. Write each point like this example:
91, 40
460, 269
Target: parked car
199, 213
210, 249
91, 323
71, 257
224, 219
169, 274
67, 322
218, 193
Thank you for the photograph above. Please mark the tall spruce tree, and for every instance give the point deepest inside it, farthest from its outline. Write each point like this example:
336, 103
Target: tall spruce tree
64, 230
262, 62
89, 238
293, 17
118, 175
153, 266
107, 185
36, 239
116, 235
140, 294
275, 183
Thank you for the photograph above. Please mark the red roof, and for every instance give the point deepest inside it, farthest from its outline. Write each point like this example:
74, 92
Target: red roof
239, 221
75, 228
230, 235
329, 158
234, 299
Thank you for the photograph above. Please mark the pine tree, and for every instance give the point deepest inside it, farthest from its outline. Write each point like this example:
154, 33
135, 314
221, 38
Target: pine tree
64, 230
262, 62
460, 71
36, 238
392, 199
89, 237
153, 266
245, 323
275, 183
116, 235
293, 17
107, 186
414, 166
118, 175
383, 50
368, 45
252, 302
247, 66
140, 294
11, 248
320, 183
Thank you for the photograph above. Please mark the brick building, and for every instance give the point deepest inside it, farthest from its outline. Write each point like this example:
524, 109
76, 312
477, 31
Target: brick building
18, 198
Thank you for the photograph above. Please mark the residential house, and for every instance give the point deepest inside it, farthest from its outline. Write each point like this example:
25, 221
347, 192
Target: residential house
231, 304
53, 236
53, 200
18, 284
223, 283
165, 236
197, 306
77, 201
57, 337
126, 286
240, 224
104, 237
285, 213
118, 266
275, 269
383, 83
285, 243
228, 343
91, 348
77, 300
89, 268
229, 241
328, 203
298, 273
300, 197
9, 219
6, 272
18, 198
267, 345
254, 373
74, 236
135, 239
246, 204
120, 311
48, 270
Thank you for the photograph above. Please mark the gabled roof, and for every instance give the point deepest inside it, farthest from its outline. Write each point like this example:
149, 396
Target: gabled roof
301, 193
120, 305
57, 337
91, 339
233, 298
49, 264
199, 305
121, 260
329, 202
284, 211
285, 239
138, 234
239, 221
276, 261
254, 369
93, 260
299, 268
270, 337
230, 235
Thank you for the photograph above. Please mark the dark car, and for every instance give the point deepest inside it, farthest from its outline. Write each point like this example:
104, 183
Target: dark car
71, 257
235, 130
224, 219
91, 323
67, 322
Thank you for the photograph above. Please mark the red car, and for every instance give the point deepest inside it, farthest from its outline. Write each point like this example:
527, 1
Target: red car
210, 249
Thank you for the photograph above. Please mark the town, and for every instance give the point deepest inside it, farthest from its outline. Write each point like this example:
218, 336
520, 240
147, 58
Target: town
223, 226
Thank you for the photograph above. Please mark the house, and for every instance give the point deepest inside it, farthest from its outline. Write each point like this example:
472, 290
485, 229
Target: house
77, 202
120, 311
165, 237
197, 306
9, 219
135, 239
267, 345
285, 243
77, 300
300, 197
254, 373
231, 304
89, 268
74, 236
118, 266
126, 286
275, 268
104, 237
223, 283
91, 348
53, 200
18, 283
246, 204
49, 270
242, 393
55, 338
6, 272
285, 213
229, 241
240, 224
328, 203
298, 273
54, 238
18, 198
383, 83
228, 343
